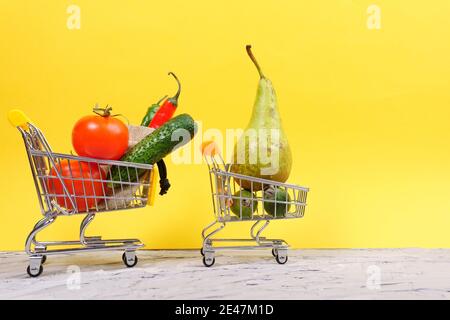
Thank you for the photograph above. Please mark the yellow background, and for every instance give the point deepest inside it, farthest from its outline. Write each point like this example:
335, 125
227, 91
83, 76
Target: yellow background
367, 112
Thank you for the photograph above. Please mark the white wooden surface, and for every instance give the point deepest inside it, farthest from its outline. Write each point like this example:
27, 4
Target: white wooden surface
309, 274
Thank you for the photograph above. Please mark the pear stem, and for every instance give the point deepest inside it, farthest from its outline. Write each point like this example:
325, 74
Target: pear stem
250, 54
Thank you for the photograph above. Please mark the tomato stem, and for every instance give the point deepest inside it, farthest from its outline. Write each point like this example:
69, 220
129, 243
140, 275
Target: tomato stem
103, 112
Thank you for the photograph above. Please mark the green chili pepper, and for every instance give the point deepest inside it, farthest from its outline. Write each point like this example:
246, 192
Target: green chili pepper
151, 111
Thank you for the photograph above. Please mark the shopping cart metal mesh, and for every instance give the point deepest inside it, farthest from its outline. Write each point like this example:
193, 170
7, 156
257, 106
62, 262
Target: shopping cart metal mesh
262, 202
68, 185
71, 184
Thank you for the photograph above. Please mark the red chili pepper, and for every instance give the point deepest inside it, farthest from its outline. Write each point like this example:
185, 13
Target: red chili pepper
167, 109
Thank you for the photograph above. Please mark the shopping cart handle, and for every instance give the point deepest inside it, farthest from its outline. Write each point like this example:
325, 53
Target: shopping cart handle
210, 148
18, 119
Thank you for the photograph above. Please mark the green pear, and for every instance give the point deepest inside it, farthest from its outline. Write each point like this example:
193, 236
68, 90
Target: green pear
263, 150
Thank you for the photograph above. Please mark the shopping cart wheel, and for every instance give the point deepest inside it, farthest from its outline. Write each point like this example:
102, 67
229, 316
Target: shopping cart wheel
44, 258
281, 259
35, 272
274, 252
201, 252
208, 262
129, 258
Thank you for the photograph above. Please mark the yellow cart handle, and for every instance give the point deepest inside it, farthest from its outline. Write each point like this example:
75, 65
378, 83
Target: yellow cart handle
210, 148
18, 119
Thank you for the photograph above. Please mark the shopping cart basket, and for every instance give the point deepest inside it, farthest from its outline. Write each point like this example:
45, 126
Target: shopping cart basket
260, 202
77, 189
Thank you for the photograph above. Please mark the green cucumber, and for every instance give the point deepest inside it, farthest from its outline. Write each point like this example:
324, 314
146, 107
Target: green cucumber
155, 146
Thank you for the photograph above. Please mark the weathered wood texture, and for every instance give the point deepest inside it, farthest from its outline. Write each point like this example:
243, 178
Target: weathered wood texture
309, 274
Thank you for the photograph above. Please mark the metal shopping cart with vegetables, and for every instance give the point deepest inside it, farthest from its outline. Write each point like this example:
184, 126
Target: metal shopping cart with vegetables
69, 185
262, 202
113, 171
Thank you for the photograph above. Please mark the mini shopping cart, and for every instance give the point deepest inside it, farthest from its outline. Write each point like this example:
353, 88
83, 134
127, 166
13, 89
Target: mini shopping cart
226, 190
66, 194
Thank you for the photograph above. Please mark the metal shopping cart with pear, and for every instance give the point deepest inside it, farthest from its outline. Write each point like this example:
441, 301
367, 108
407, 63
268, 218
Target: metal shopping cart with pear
130, 193
260, 200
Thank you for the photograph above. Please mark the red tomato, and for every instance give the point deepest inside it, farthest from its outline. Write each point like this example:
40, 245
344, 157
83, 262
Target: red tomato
100, 137
81, 190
